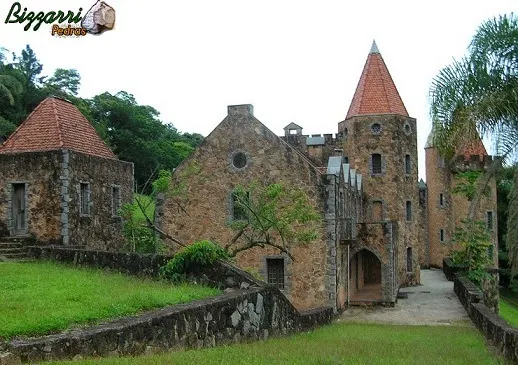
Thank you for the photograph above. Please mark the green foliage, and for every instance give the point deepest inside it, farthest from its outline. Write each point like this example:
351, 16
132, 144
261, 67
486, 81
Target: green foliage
467, 185
38, 297
191, 259
512, 225
272, 215
65, 82
474, 241
139, 238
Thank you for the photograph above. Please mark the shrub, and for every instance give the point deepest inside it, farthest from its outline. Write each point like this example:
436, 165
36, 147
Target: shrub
191, 259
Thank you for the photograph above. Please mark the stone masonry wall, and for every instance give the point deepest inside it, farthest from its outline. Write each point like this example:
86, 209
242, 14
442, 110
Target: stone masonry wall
206, 207
498, 332
40, 171
100, 229
393, 187
256, 313
442, 178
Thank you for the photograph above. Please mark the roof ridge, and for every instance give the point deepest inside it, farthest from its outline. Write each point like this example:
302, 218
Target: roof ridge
58, 126
23, 121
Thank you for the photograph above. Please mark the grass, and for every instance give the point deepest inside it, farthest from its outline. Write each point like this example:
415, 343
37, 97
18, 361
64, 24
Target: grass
37, 298
508, 311
340, 343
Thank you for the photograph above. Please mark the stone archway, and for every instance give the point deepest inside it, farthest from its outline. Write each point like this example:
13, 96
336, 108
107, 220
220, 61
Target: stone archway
365, 277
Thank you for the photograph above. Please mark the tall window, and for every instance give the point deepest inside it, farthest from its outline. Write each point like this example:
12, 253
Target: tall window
409, 259
346, 159
441, 200
489, 220
441, 235
376, 163
408, 210
84, 198
240, 201
408, 165
275, 271
116, 200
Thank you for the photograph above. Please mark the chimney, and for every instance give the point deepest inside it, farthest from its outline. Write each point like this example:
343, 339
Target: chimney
241, 110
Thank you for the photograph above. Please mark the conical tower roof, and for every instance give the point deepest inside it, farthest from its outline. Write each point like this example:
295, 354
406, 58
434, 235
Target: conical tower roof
56, 124
376, 92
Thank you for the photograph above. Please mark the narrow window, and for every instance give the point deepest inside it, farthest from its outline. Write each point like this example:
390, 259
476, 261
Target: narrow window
441, 200
346, 159
116, 200
489, 220
84, 199
408, 165
239, 205
442, 235
490, 252
408, 210
409, 259
275, 269
376, 163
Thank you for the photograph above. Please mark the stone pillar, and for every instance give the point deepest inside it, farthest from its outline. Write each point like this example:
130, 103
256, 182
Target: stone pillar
65, 196
331, 237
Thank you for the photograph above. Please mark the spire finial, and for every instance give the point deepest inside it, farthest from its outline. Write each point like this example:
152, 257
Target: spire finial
374, 47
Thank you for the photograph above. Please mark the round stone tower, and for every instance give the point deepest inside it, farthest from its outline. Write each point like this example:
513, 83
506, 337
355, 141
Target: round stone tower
380, 140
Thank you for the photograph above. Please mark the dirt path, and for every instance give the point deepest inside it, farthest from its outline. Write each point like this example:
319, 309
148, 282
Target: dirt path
432, 303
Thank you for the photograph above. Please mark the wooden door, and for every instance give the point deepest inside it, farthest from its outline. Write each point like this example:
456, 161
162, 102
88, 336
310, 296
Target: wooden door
19, 211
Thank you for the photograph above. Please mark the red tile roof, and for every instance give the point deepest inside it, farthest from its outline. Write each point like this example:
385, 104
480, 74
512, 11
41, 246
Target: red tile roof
376, 92
473, 147
56, 124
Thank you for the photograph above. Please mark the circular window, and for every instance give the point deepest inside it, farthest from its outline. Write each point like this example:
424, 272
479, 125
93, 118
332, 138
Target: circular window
407, 128
376, 128
239, 160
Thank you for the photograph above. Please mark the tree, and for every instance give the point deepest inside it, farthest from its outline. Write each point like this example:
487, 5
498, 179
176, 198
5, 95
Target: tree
64, 81
271, 216
479, 95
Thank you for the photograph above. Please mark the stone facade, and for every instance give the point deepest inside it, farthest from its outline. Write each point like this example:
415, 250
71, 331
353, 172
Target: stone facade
311, 279
52, 182
446, 210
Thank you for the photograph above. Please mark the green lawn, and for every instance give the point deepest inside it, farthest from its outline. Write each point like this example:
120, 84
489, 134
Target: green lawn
42, 296
508, 311
340, 343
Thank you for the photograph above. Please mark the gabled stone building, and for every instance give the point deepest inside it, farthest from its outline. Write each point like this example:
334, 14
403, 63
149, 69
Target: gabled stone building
60, 183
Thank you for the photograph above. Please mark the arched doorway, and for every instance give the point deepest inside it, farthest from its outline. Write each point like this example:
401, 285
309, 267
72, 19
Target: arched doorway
364, 277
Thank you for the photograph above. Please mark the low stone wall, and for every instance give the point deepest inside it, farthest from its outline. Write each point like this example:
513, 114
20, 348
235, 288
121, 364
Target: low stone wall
222, 275
450, 269
500, 334
250, 310
240, 316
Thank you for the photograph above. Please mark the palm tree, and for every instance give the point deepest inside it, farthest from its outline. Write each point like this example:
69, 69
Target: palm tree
479, 95
9, 86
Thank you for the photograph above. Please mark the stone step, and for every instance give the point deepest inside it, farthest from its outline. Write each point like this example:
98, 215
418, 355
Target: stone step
10, 245
14, 256
4, 250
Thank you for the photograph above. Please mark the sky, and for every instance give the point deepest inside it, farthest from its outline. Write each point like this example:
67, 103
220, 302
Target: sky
295, 61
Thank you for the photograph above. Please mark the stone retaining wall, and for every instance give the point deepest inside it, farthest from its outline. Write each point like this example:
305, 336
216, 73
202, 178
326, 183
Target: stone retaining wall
449, 268
252, 310
240, 316
495, 329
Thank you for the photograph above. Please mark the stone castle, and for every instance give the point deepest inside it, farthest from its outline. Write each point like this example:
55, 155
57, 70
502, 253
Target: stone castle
60, 184
381, 224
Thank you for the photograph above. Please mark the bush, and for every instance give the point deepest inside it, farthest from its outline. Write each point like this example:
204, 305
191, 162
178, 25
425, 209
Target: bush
191, 259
